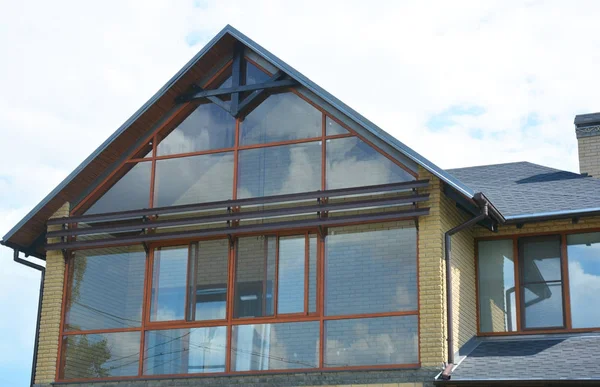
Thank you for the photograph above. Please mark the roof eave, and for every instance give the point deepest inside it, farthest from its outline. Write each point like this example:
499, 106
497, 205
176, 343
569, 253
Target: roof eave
553, 215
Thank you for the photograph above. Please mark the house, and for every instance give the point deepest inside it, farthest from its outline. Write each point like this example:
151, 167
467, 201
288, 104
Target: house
245, 227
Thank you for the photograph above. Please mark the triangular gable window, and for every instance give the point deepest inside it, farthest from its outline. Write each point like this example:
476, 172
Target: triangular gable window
352, 163
281, 117
131, 192
333, 128
254, 74
208, 127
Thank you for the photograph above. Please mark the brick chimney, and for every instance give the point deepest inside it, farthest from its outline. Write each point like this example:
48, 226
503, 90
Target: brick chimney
587, 128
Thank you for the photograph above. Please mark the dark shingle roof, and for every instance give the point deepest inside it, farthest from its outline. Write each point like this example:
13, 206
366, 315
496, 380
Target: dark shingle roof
523, 190
563, 357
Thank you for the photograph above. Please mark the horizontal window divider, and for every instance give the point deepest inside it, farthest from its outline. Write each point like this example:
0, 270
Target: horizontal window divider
241, 202
190, 154
274, 319
300, 210
280, 143
242, 230
541, 282
180, 324
372, 315
101, 331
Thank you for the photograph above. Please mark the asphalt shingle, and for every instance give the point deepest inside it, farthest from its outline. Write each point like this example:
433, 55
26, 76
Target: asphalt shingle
523, 188
550, 358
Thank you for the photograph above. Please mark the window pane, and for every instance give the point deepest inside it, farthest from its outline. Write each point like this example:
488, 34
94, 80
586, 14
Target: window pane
292, 264
281, 117
371, 341
255, 276
209, 299
185, 351
371, 271
168, 283
101, 355
279, 170
584, 279
312, 274
106, 288
131, 192
334, 128
208, 127
353, 163
543, 305
541, 259
275, 346
497, 306
195, 179
255, 75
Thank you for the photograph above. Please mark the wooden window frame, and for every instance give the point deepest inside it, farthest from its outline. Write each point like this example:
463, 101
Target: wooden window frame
566, 296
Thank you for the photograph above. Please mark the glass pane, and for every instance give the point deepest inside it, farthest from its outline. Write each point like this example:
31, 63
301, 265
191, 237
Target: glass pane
333, 128
208, 127
101, 355
196, 179
279, 170
371, 341
353, 163
255, 75
255, 276
281, 117
131, 192
584, 279
168, 283
371, 271
275, 346
185, 351
497, 308
292, 264
210, 295
106, 288
541, 259
543, 305
312, 274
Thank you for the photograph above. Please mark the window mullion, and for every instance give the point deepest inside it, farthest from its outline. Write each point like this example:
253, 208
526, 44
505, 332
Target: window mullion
564, 256
517, 267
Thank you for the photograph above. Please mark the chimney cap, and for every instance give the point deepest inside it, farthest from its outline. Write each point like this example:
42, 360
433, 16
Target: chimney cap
590, 119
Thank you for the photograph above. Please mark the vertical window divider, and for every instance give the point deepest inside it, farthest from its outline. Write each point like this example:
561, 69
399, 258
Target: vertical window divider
236, 146
276, 286
321, 297
153, 170
565, 281
230, 304
517, 270
323, 151
306, 271
145, 309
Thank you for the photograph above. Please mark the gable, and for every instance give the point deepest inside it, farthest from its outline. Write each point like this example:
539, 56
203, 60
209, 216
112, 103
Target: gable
27, 235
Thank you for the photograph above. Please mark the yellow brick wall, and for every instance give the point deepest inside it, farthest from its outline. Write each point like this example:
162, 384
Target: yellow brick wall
443, 216
431, 276
589, 155
51, 310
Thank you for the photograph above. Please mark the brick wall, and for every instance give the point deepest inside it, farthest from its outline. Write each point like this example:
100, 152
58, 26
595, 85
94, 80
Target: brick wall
589, 154
51, 310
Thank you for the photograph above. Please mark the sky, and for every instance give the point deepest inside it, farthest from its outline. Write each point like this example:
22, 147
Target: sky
462, 82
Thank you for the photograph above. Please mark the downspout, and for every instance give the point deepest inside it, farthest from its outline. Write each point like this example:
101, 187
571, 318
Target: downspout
448, 258
42, 269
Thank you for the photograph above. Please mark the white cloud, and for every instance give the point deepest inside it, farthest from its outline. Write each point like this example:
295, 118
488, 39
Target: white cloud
72, 72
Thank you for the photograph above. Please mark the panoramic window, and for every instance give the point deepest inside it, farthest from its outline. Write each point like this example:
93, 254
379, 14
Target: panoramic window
279, 170
497, 297
117, 274
543, 264
583, 251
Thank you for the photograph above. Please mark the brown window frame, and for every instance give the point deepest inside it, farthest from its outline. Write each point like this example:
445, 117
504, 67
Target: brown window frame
521, 330
230, 321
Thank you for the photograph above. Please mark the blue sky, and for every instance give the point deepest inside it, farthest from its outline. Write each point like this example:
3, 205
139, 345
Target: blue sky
463, 83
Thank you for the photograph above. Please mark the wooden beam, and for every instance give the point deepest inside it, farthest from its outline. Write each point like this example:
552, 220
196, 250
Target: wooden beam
257, 86
257, 93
